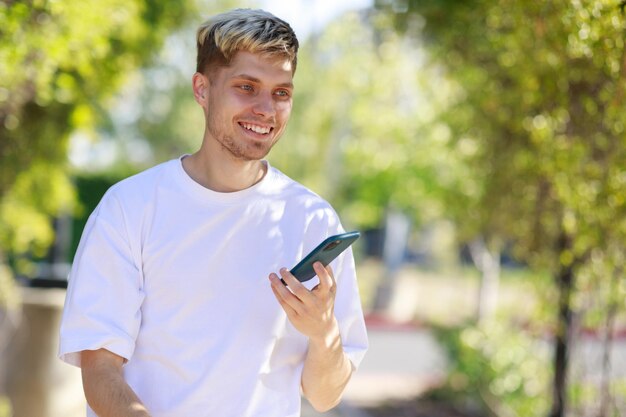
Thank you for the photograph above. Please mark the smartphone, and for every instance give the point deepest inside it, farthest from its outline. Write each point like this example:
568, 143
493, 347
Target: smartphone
325, 253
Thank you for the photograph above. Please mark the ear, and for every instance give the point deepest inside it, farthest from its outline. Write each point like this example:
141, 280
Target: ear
200, 85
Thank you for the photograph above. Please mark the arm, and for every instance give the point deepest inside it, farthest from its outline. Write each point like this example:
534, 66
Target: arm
326, 372
106, 392
327, 369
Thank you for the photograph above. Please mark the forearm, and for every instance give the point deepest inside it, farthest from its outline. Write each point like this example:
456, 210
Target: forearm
326, 372
108, 394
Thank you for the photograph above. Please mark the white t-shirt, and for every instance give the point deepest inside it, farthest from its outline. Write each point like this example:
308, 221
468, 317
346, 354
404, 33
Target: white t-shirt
174, 278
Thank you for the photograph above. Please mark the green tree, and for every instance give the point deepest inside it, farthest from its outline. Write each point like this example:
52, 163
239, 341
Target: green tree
544, 90
59, 62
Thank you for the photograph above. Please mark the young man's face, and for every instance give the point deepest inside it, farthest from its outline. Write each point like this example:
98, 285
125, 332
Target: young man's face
249, 103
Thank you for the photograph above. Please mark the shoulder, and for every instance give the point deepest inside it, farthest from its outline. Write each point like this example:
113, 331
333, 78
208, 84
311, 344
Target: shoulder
139, 186
304, 200
131, 196
296, 192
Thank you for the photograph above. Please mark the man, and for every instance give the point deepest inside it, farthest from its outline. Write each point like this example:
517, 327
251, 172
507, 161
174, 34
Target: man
169, 311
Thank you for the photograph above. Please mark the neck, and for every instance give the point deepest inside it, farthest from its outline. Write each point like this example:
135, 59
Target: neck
223, 174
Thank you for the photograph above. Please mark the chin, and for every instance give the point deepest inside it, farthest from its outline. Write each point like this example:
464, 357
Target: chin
256, 150
252, 153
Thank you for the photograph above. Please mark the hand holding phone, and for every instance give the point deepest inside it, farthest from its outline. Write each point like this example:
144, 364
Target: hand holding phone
325, 253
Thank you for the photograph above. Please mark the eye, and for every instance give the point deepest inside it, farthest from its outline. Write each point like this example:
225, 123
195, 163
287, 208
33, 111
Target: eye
282, 93
246, 87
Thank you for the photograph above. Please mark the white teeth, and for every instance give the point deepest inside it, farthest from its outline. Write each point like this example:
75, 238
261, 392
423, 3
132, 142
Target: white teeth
256, 129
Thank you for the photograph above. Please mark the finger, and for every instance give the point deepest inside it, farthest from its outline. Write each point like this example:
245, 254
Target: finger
283, 294
290, 311
327, 281
295, 286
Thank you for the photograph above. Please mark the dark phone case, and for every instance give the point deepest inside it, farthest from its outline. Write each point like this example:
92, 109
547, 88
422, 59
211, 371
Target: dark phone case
325, 253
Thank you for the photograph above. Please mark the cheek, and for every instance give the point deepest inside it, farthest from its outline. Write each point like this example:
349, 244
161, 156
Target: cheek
284, 111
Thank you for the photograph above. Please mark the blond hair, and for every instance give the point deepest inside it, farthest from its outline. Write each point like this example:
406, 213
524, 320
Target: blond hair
256, 31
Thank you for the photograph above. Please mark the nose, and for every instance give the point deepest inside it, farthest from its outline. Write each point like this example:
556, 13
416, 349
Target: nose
264, 105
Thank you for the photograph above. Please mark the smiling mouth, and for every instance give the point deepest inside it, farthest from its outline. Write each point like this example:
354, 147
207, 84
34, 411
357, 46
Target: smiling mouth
261, 130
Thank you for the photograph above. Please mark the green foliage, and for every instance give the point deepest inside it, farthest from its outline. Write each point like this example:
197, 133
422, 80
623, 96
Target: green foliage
42, 190
174, 124
9, 297
503, 367
58, 62
544, 86
363, 131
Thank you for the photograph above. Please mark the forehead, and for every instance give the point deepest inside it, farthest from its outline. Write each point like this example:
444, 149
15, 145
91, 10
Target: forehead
270, 69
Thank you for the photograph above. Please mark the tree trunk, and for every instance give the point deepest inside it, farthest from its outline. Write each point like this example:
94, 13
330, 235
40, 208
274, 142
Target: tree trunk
563, 336
606, 399
488, 263
397, 229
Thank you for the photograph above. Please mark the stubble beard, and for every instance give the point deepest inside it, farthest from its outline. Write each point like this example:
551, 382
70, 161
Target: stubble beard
248, 151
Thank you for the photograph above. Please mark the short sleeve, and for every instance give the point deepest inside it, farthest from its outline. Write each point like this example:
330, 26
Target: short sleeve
105, 291
348, 308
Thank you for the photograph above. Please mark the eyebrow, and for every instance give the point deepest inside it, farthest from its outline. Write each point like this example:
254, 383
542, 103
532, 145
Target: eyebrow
258, 81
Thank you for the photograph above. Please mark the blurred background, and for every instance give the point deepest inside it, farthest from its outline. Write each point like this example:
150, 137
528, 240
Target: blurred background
479, 146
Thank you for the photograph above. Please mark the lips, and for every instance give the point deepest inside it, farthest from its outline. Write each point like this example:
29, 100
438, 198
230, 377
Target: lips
256, 128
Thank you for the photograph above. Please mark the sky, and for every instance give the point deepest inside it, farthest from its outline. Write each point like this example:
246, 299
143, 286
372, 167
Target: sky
306, 16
